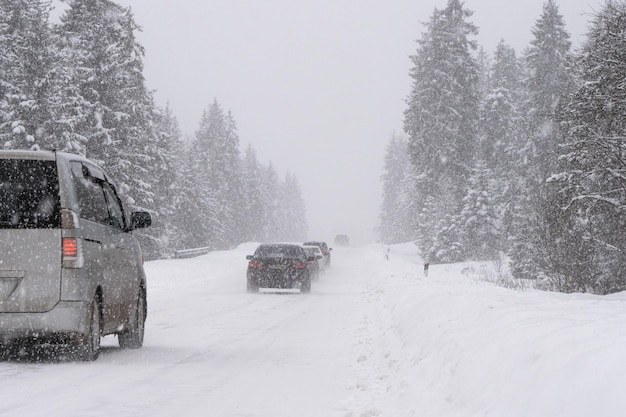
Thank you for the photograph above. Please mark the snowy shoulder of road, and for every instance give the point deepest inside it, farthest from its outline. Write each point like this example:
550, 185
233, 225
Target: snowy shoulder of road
375, 337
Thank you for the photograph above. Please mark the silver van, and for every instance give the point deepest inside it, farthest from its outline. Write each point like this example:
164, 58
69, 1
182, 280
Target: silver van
71, 271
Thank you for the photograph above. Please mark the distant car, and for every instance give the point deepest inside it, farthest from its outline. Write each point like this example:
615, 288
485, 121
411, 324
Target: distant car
279, 266
318, 263
324, 247
342, 240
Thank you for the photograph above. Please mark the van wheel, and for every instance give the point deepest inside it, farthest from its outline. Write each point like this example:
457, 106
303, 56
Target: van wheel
89, 349
133, 338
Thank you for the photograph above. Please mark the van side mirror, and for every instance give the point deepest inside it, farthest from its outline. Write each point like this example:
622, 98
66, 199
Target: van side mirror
140, 220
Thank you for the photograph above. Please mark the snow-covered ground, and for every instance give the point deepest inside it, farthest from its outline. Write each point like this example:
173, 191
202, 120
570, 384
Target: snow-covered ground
374, 338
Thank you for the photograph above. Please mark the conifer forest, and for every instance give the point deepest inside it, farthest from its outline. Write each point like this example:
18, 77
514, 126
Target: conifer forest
78, 86
516, 156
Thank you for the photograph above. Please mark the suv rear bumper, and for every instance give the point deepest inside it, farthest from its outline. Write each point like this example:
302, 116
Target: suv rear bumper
276, 280
67, 318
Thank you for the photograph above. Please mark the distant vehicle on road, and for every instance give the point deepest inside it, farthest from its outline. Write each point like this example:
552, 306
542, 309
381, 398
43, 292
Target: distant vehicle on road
323, 246
318, 264
342, 240
279, 266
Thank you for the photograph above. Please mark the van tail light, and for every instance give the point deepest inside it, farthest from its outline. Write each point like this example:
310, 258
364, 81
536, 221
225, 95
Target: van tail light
70, 247
72, 252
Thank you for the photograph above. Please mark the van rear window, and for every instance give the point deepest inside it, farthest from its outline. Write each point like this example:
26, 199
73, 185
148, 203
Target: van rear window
29, 194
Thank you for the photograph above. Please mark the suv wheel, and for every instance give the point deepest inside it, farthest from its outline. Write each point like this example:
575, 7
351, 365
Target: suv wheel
306, 284
133, 338
252, 287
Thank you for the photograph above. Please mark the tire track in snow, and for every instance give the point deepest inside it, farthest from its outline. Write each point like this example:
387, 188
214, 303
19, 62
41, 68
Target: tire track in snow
377, 358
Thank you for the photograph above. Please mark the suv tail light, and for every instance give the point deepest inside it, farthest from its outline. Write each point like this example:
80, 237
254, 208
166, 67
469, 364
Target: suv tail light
255, 264
299, 265
72, 252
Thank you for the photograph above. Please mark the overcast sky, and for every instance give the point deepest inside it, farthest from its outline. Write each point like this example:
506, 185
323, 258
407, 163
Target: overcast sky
316, 86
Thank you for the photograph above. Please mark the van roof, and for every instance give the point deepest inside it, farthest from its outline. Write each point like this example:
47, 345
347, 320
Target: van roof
41, 155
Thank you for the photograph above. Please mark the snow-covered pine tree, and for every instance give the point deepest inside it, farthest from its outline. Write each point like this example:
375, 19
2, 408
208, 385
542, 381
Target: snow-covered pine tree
111, 113
484, 62
88, 42
270, 191
397, 223
208, 140
217, 144
480, 219
292, 212
440, 122
440, 235
28, 75
494, 170
166, 171
233, 193
549, 79
253, 202
593, 177
193, 201
500, 112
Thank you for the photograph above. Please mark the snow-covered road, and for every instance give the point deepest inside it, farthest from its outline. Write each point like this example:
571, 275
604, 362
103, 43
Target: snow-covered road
374, 338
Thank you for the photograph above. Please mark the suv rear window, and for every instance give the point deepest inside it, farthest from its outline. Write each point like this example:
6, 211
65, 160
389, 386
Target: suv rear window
278, 251
29, 194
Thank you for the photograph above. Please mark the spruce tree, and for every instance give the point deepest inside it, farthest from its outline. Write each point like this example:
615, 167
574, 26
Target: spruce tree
500, 112
166, 171
494, 170
217, 145
592, 180
441, 126
28, 75
206, 153
193, 201
292, 213
549, 79
111, 113
481, 222
233, 189
253, 203
397, 223
270, 192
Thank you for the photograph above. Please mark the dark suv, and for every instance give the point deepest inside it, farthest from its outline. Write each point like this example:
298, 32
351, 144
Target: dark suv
324, 247
279, 265
71, 271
